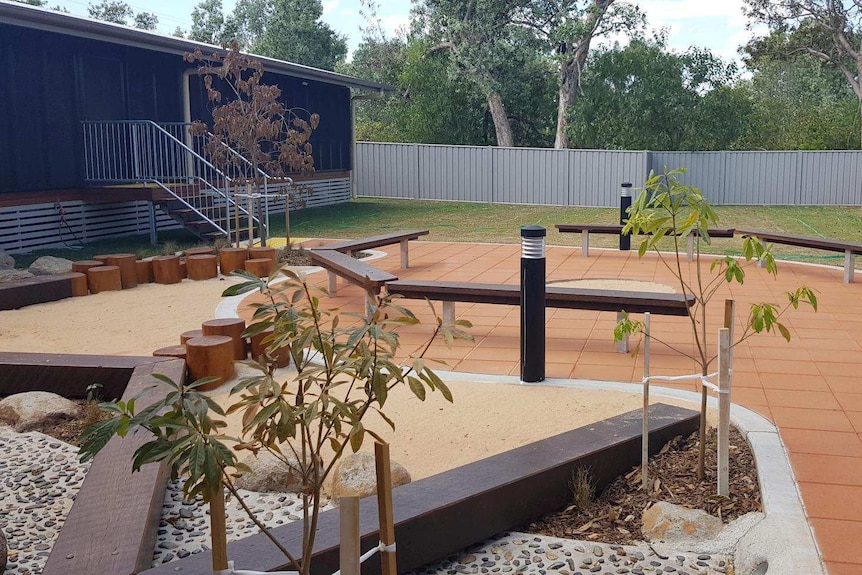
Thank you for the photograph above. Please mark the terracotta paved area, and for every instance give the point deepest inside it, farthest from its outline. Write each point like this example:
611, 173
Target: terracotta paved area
811, 387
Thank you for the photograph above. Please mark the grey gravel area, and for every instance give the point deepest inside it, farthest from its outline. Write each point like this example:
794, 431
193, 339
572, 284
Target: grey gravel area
184, 529
41, 477
526, 553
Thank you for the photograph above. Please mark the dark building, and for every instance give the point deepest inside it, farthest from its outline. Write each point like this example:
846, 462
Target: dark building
92, 121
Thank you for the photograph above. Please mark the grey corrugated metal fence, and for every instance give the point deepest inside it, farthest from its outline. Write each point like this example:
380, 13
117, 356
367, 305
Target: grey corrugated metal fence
592, 177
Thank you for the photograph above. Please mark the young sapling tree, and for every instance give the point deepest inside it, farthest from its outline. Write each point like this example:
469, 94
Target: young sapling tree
668, 210
254, 134
307, 418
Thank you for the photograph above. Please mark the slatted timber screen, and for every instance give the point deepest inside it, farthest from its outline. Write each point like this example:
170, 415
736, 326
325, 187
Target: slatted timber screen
37, 226
322, 193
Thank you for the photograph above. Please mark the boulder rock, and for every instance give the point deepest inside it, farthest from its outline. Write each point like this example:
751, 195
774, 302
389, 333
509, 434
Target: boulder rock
270, 474
29, 410
50, 266
671, 523
14, 275
7, 262
356, 475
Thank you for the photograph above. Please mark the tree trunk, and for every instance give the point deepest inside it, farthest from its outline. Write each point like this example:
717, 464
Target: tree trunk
501, 120
570, 80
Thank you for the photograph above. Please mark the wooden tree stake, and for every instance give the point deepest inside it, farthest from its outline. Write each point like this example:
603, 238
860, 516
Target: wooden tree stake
384, 506
723, 411
348, 510
645, 432
218, 530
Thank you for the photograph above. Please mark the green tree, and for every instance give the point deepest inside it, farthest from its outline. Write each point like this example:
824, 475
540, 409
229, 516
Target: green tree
644, 96
296, 33
120, 12
480, 39
208, 22
799, 101
830, 30
146, 21
567, 28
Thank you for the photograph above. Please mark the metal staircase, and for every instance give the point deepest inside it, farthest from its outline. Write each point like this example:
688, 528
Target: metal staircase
188, 187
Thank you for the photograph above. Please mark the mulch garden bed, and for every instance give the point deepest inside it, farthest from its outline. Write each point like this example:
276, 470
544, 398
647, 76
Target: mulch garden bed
70, 430
614, 516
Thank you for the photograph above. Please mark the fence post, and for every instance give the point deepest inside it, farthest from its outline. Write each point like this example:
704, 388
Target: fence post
645, 431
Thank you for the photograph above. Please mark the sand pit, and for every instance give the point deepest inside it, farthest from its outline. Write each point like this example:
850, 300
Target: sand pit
129, 322
430, 437
485, 419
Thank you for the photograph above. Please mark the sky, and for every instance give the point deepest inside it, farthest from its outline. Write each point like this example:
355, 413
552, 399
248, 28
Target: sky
715, 24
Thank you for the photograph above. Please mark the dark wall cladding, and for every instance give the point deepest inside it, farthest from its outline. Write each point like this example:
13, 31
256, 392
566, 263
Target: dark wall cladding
52, 82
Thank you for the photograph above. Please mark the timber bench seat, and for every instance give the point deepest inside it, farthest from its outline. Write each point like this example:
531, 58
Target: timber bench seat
353, 270
555, 297
616, 229
400, 237
850, 249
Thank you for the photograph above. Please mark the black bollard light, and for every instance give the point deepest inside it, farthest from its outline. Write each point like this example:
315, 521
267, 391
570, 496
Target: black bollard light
625, 204
533, 303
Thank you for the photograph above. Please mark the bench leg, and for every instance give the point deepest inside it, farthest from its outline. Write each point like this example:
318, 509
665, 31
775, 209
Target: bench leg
333, 283
448, 312
405, 260
690, 253
622, 346
370, 302
585, 243
849, 267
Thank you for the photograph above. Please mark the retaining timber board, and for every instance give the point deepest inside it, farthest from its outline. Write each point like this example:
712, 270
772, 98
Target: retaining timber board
112, 526
442, 514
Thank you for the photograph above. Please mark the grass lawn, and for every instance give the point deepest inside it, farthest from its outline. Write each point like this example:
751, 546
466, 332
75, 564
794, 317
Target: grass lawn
499, 223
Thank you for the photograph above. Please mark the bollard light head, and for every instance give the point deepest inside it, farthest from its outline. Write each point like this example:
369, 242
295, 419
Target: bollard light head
533, 231
625, 189
533, 242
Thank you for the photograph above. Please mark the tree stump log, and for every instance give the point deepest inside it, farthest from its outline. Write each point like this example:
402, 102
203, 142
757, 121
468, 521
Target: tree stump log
259, 267
178, 351
203, 250
83, 265
166, 269
232, 259
191, 334
202, 266
102, 258
210, 356
79, 284
258, 348
104, 278
262, 254
128, 268
145, 271
230, 327
184, 269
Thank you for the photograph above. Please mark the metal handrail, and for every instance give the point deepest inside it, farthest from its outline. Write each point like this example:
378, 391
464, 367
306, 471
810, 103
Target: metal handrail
142, 151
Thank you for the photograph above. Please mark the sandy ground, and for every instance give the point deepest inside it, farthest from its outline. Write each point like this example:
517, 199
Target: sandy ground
128, 322
483, 420
430, 437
